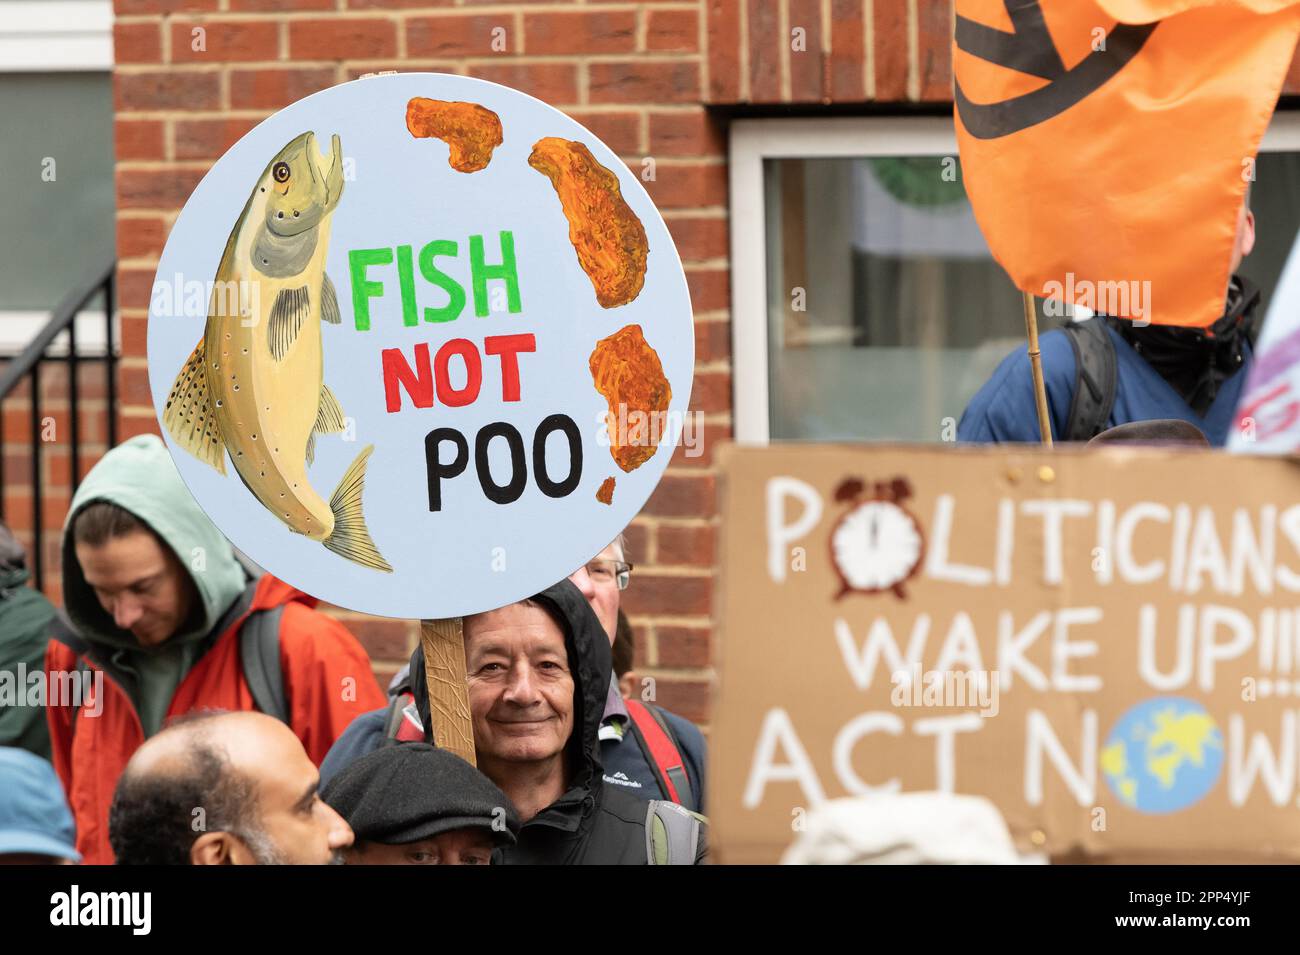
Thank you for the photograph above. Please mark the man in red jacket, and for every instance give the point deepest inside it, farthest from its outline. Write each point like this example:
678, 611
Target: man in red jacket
164, 621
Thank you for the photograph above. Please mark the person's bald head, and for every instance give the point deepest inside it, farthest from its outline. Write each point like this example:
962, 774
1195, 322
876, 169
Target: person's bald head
223, 788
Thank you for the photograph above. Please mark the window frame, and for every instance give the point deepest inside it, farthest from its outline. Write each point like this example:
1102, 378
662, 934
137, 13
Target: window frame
754, 140
56, 36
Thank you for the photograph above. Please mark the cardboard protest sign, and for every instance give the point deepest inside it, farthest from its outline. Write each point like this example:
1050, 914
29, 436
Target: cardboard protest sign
1104, 643
417, 344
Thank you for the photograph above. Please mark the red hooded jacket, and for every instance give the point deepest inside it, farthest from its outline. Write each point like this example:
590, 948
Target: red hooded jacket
327, 681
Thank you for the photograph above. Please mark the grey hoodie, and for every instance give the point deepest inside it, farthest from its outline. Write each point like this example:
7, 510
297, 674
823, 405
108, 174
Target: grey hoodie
139, 476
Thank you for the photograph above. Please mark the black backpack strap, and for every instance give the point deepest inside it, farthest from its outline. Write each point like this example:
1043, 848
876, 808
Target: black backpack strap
1096, 374
259, 654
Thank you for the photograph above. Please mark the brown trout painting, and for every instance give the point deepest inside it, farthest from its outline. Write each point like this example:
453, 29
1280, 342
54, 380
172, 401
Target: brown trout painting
254, 386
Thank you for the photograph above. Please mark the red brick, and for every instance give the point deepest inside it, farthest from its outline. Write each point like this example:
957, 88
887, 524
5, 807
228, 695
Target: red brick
90, 382
59, 467
687, 698
638, 537
137, 43
342, 39
135, 328
600, 31
663, 594
890, 34
226, 41
138, 138
620, 130
679, 544
207, 138
134, 382
554, 83
767, 46
683, 495
848, 58
131, 424
125, 8
458, 35
396, 4
134, 287
382, 639
711, 392
934, 49
698, 238
676, 31
686, 133
807, 66
274, 89
140, 237
682, 647
705, 438
686, 185
710, 288
165, 89
641, 81
148, 189
724, 50
275, 6
712, 341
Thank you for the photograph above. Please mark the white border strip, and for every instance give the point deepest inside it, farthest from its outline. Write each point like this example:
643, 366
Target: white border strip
51, 36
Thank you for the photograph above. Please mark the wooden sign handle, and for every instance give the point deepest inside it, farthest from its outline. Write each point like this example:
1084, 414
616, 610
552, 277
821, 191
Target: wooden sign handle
444, 668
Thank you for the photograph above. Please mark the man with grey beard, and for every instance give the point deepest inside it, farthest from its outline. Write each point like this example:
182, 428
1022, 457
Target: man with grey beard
224, 789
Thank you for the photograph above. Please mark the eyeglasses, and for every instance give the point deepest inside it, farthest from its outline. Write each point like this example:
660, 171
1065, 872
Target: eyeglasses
605, 571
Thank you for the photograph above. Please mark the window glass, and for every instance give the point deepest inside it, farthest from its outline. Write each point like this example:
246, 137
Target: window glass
886, 312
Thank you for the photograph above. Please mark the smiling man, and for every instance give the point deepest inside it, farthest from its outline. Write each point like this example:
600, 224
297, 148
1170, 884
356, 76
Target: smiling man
158, 603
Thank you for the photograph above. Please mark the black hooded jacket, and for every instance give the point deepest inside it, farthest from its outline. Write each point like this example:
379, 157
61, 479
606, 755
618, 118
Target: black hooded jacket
592, 823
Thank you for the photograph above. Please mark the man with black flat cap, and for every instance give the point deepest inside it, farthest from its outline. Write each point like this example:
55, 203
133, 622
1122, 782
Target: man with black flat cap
414, 804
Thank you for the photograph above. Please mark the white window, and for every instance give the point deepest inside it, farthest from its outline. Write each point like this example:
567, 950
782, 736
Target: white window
865, 303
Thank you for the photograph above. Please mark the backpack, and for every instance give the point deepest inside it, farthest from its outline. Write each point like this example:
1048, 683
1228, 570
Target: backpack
259, 651
662, 752
1096, 376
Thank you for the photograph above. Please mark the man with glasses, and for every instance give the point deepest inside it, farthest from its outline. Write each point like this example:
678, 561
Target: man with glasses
644, 750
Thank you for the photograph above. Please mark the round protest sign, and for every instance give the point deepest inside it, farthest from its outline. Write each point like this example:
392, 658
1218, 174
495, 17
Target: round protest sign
420, 345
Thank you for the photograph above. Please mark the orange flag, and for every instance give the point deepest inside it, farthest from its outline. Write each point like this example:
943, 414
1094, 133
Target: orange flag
1106, 145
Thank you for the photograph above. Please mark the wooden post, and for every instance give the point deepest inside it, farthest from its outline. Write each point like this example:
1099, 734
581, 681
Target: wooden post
444, 669
1036, 366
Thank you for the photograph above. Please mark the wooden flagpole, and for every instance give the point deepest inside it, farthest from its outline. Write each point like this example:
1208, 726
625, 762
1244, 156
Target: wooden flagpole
1036, 366
444, 669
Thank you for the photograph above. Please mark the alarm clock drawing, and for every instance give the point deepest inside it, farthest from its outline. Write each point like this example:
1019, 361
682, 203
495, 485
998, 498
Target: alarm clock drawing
877, 544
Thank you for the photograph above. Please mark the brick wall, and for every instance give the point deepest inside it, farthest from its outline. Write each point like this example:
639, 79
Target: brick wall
650, 78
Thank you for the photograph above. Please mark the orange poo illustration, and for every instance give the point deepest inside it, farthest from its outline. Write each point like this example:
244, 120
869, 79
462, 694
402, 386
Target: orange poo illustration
470, 131
608, 237
629, 376
606, 493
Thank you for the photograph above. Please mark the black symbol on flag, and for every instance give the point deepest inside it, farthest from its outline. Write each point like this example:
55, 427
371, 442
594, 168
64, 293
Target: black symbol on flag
1030, 49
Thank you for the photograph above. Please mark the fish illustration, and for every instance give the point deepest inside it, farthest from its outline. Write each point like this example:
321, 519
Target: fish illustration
254, 386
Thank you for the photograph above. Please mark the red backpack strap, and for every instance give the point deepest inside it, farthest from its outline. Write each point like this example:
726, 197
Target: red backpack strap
401, 722
665, 758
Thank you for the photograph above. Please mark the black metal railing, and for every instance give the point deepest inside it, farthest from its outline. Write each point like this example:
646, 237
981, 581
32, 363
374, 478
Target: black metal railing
28, 365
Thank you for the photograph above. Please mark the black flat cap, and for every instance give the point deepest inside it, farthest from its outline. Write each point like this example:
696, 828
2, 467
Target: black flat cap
402, 793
